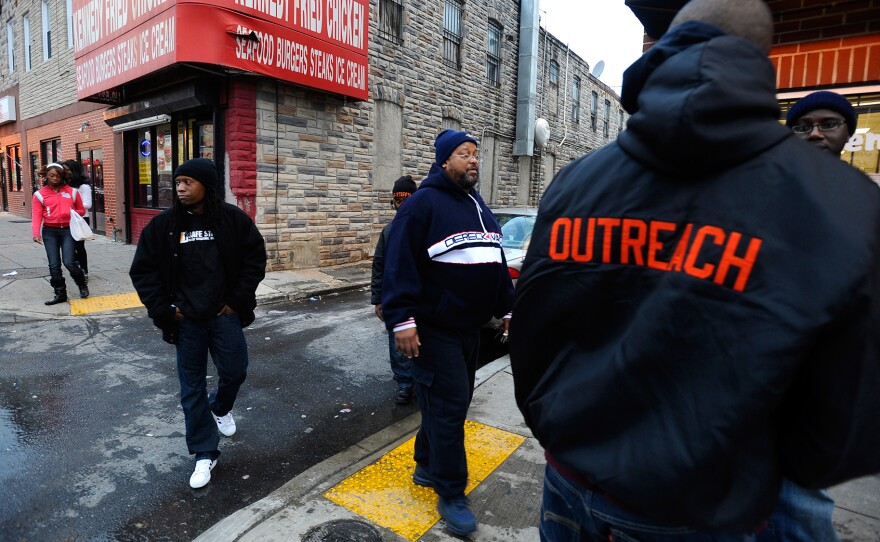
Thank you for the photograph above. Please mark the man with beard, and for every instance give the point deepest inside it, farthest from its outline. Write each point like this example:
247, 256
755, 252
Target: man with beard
445, 275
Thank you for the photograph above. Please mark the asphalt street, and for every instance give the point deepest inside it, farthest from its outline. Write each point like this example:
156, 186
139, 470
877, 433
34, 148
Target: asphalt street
92, 432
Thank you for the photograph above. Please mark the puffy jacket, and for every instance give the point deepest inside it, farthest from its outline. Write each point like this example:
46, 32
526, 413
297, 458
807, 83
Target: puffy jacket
156, 266
698, 311
443, 260
53, 208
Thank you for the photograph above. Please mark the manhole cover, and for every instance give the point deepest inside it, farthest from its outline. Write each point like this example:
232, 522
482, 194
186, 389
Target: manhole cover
32, 273
343, 530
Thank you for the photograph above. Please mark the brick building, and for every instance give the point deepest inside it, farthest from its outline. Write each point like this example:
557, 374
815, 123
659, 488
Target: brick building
310, 112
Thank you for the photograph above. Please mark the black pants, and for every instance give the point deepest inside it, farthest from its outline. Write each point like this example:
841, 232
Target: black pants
444, 376
80, 256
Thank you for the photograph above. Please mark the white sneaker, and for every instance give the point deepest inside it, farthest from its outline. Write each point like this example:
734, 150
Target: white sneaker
202, 475
225, 424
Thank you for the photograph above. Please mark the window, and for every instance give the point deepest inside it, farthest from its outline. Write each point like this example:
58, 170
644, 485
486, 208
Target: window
493, 54
594, 106
607, 117
620, 120
47, 33
554, 73
452, 33
26, 22
576, 100
153, 153
69, 4
10, 46
391, 20
50, 150
13, 166
36, 180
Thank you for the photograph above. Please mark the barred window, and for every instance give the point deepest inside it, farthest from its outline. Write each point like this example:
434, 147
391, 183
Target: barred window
576, 100
391, 20
607, 117
554, 73
594, 107
493, 54
452, 33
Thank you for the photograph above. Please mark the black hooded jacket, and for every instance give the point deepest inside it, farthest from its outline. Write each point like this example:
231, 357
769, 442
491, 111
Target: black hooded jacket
698, 311
156, 266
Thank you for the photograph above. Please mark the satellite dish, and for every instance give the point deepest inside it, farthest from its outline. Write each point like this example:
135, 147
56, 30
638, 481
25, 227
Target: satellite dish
542, 132
598, 69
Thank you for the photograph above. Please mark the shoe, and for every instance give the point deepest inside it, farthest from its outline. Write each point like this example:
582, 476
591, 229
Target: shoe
60, 296
421, 477
457, 513
202, 475
86, 278
404, 394
225, 424
84, 291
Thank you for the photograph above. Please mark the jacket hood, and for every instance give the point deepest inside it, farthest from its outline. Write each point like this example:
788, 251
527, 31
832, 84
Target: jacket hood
696, 98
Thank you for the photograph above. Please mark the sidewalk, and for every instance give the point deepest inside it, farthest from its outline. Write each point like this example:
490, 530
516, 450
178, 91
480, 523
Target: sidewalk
506, 498
24, 277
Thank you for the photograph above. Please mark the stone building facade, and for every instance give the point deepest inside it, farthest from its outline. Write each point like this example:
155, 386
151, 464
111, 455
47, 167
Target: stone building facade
315, 168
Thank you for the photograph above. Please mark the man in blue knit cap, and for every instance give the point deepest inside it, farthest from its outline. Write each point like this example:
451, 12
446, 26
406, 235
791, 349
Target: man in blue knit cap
825, 119
445, 275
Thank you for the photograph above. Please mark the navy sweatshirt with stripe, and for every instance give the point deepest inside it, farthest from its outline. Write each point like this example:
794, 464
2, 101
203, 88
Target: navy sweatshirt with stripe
444, 265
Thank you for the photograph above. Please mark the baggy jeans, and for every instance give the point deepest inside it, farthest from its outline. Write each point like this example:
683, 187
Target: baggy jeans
223, 337
60, 245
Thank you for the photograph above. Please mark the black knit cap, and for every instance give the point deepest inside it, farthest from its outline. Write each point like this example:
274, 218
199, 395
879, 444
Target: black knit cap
403, 187
202, 170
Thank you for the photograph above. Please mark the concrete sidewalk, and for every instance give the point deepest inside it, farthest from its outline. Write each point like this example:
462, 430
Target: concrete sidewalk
24, 277
506, 500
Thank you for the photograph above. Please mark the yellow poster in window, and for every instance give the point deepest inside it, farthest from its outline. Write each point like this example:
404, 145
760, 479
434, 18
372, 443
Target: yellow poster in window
144, 172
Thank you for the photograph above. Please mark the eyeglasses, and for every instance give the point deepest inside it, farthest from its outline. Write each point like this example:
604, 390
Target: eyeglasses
467, 157
824, 126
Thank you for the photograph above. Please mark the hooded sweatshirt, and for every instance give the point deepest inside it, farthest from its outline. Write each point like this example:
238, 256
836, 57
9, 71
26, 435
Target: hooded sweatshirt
444, 264
697, 313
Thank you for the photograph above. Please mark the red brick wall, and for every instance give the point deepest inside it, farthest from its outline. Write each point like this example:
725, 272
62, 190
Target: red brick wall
798, 21
241, 144
837, 61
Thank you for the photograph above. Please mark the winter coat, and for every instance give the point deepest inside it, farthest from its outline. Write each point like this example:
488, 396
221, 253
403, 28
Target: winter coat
53, 208
156, 265
698, 311
444, 264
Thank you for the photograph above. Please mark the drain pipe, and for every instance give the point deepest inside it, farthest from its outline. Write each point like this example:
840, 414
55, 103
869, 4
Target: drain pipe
527, 78
565, 102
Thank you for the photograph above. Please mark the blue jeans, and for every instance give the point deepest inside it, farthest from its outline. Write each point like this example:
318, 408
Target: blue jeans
801, 515
571, 513
400, 364
223, 337
60, 246
444, 375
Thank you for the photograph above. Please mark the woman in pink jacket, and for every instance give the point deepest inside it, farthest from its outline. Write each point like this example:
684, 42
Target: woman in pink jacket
50, 225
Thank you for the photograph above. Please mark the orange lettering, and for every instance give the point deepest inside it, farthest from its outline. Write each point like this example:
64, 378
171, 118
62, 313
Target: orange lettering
730, 259
609, 224
587, 253
655, 246
677, 261
636, 244
690, 265
565, 225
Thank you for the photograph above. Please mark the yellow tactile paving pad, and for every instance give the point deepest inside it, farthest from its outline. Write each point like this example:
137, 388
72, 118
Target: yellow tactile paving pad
104, 303
385, 494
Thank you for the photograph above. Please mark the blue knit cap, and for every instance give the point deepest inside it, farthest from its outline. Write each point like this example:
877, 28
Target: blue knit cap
447, 141
823, 99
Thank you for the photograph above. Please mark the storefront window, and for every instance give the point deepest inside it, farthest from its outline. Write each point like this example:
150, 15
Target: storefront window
157, 150
13, 167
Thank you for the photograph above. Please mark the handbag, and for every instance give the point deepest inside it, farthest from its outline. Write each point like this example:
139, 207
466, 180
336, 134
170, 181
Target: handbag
79, 228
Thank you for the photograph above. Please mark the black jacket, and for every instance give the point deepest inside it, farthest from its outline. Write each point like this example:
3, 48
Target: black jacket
699, 311
378, 270
156, 265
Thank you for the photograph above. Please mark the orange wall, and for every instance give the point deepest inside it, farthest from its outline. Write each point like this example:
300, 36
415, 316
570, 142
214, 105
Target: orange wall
837, 61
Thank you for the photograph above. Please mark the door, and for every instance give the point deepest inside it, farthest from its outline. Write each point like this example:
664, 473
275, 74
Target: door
92, 159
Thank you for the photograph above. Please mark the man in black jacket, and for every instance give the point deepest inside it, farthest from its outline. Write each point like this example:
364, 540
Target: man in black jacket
400, 364
697, 314
196, 269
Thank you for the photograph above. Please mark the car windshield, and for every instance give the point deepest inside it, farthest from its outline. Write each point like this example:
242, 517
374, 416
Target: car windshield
517, 231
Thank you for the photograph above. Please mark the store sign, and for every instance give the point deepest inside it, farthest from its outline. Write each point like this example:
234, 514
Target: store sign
7, 109
315, 43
